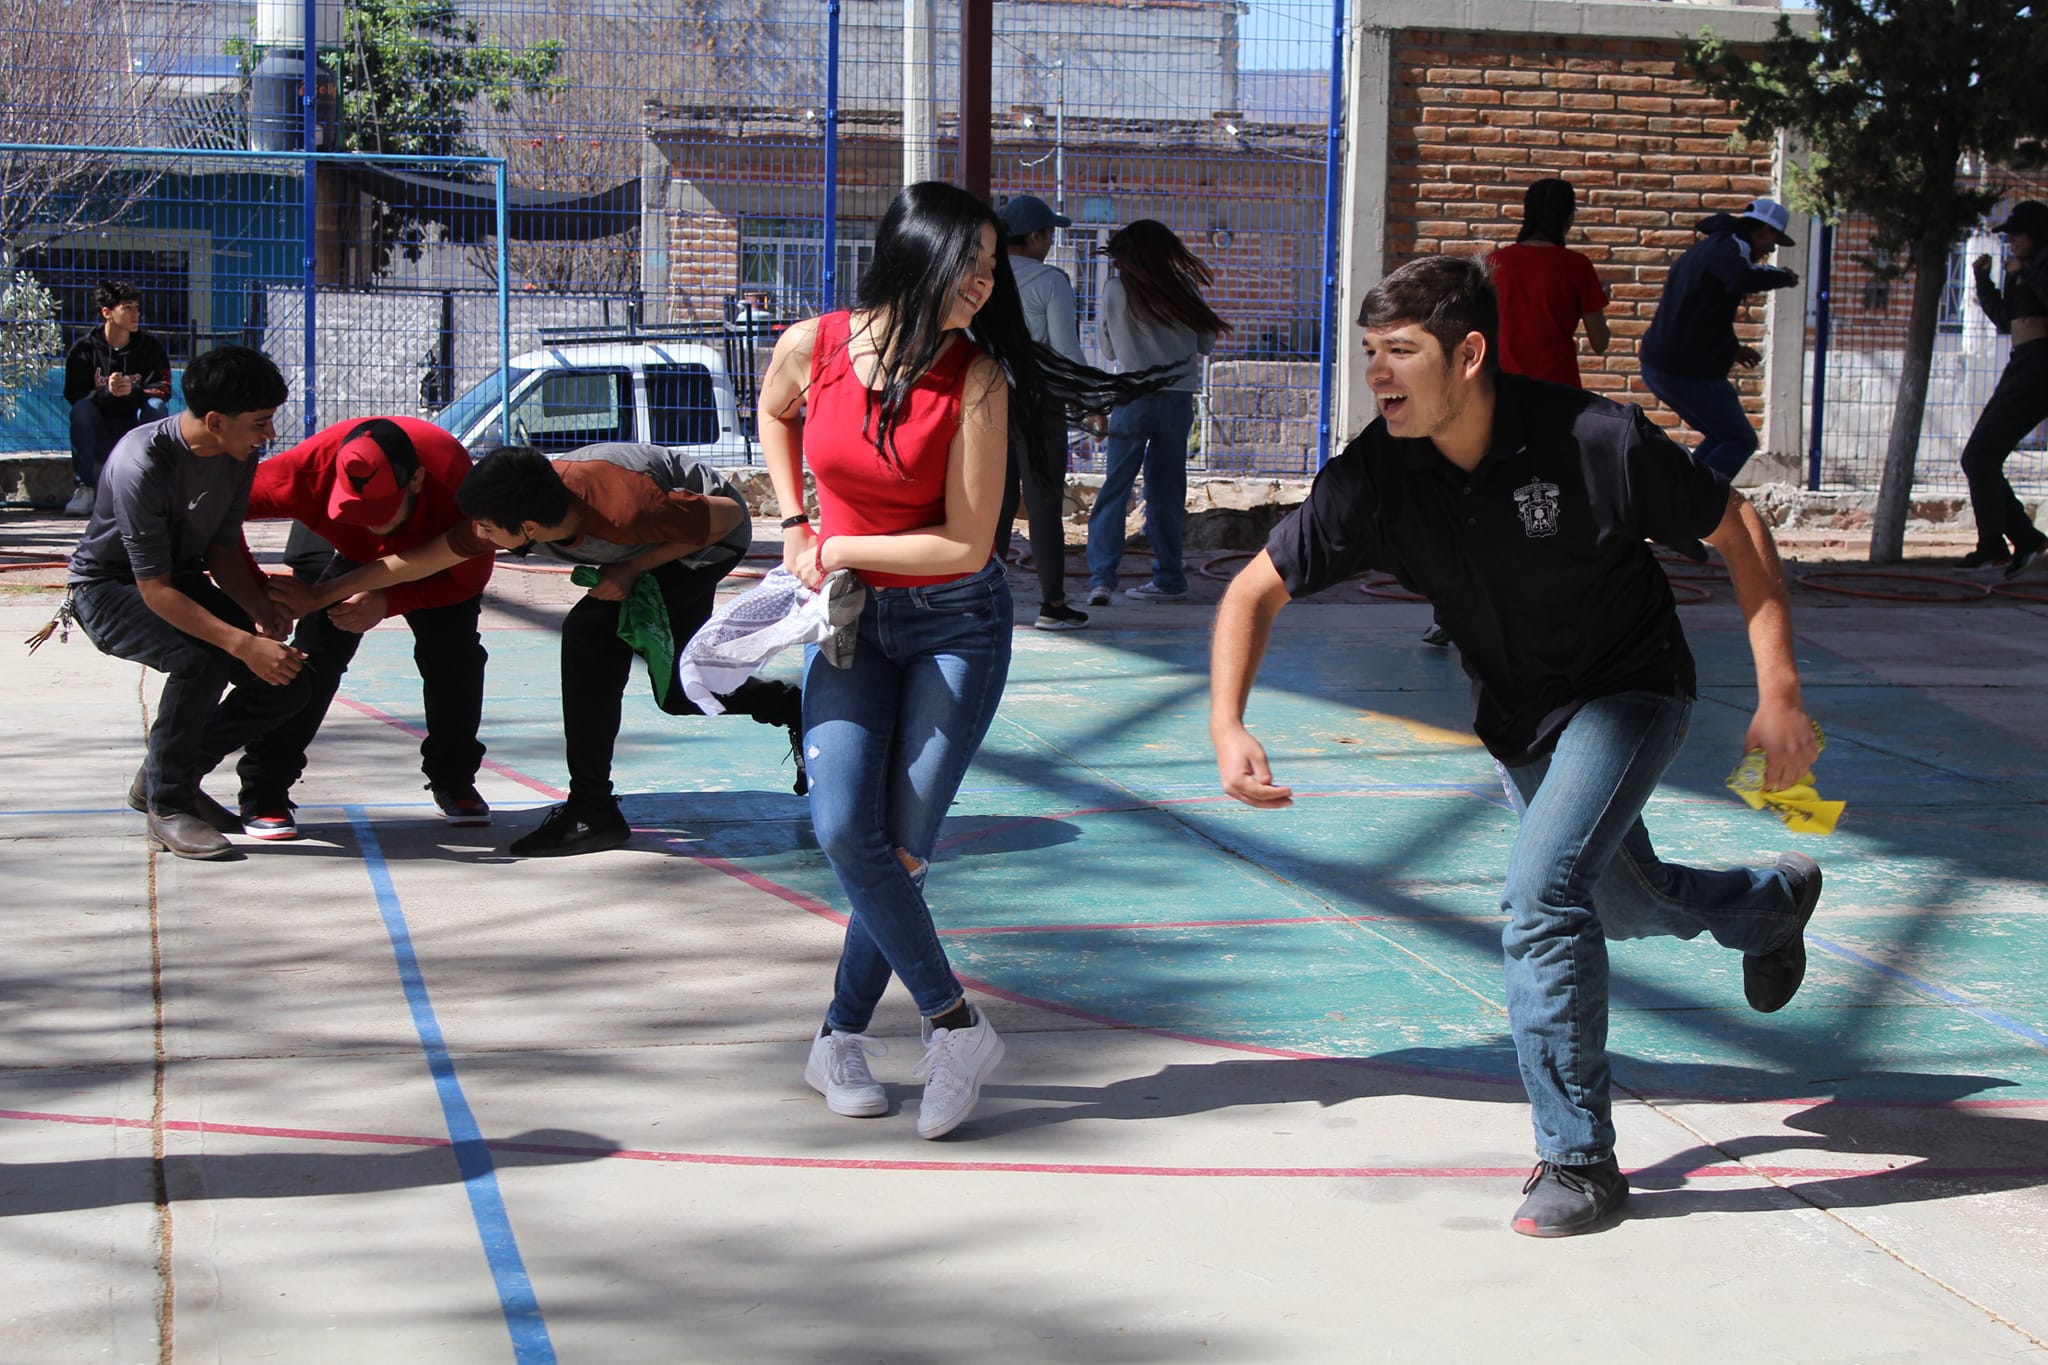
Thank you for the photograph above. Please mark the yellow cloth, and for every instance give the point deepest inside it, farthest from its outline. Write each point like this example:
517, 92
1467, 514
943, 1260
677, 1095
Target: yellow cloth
1799, 805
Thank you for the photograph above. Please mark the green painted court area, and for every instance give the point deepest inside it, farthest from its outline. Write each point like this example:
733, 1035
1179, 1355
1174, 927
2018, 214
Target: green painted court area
1091, 865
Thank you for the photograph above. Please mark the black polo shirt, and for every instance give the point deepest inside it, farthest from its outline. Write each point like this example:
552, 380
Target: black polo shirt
1535, 561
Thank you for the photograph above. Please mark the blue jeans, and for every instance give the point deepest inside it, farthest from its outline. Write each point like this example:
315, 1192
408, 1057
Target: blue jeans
1582, 872
1152, 433
1713, 409
887, 742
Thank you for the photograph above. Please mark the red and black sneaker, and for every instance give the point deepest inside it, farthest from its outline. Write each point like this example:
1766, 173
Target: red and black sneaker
269, 820
461, 805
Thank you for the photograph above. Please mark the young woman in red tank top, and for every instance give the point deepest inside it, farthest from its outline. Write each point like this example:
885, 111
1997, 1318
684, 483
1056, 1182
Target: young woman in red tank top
903, 423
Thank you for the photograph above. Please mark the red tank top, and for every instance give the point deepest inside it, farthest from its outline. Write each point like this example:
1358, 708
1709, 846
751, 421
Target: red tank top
859, 494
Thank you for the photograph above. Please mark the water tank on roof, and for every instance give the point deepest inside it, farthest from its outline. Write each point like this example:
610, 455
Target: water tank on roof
276, 116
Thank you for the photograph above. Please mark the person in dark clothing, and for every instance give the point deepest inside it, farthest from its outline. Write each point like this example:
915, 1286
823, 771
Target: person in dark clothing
161, 577
1691, 344
2019, 403
358, 491
1520, 509
629, 511
115, 377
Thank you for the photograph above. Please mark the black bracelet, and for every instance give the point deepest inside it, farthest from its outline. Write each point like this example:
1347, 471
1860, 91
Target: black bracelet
800, 519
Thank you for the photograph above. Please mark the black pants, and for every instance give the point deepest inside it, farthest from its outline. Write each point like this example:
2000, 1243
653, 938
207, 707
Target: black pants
95, 430
195, 727
597, 664
2017, 406
1044, 494
447, 650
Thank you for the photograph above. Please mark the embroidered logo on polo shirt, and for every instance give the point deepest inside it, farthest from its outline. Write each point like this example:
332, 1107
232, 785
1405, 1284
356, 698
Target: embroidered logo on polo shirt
1537, 502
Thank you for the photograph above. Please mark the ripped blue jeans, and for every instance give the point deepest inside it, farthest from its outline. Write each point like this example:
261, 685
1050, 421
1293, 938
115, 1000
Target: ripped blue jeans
887, 742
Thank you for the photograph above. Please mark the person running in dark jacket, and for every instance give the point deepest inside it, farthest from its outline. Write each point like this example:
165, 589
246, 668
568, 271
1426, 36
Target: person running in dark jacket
1691, 344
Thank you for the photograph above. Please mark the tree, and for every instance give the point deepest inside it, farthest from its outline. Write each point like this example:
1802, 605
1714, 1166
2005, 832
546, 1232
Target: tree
408, 73
29, 340
65, 82
1890, 95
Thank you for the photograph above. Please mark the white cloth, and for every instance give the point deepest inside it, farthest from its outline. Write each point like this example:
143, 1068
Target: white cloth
740, 638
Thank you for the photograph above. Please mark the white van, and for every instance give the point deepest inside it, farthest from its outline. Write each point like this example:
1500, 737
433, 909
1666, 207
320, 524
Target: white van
661, 392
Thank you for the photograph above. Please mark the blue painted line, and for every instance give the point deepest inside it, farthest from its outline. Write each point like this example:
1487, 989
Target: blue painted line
1932, 991
530, 1342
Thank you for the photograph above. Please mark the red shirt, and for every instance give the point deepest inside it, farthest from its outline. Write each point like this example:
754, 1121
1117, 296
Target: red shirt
295, 483
1544, 290
859, 494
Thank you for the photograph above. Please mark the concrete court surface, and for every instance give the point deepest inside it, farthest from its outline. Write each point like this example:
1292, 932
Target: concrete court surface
383, 1094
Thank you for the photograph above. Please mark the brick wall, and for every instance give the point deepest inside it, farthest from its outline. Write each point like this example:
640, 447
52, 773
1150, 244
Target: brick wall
1474, 117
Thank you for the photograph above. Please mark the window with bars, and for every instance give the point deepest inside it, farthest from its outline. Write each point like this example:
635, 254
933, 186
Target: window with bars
783, 258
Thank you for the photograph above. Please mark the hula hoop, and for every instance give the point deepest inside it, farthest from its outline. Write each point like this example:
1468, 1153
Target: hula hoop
2018, 591
1965, 591
1208, 570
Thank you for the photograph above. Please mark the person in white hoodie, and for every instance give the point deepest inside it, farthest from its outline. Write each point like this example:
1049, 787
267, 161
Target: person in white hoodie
1048, 298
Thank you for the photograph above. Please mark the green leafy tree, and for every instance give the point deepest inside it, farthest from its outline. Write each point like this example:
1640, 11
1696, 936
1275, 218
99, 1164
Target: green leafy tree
408, 75
409, 70
1889, 96
29, 340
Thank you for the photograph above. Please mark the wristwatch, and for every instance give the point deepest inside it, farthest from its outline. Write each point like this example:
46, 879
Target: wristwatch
800, 519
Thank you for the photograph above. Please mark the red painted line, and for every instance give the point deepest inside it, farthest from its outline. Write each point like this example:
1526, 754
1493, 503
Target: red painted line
809, 904
509, 773
1922, 1170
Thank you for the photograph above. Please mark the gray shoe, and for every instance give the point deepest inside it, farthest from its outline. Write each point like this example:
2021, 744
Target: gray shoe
205, 807
187, 835
1770, 980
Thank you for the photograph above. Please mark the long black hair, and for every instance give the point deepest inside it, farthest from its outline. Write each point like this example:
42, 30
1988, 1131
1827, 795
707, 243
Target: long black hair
1161, 277
929, 237
1548, 207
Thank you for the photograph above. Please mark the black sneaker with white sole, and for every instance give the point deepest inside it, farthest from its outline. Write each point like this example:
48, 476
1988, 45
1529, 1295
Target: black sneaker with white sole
1060, 616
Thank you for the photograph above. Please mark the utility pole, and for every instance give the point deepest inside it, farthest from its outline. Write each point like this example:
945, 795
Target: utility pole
920, 132
977, 56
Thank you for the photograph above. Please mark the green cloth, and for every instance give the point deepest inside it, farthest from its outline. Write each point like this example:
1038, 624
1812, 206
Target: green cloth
643, 625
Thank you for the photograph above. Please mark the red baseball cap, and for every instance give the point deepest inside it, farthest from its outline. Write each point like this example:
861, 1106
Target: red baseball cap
367, 490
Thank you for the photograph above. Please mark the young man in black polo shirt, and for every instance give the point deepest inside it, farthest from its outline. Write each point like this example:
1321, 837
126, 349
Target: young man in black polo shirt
1520, 509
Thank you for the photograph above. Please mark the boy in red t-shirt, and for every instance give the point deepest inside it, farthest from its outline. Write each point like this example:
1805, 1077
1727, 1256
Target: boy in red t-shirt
359, 491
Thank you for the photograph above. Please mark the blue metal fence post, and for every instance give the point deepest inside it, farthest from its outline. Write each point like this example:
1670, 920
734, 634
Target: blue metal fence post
830, 272
499, 179
1333, 185
309, 131
1824, 271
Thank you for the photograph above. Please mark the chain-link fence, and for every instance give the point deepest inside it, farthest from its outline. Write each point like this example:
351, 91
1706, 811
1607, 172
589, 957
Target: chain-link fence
1856, 379
686, 178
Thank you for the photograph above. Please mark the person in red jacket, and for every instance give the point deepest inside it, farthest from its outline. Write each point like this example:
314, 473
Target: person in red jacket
359, 491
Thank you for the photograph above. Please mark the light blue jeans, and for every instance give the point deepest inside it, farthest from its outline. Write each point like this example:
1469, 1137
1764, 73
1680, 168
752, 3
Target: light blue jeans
887, 742
1583, 871
1149, 433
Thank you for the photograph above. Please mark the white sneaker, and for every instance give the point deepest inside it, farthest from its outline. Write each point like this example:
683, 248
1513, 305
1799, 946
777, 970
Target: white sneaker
81, 502
1098, 597
838, 1070
956, 1062
1152, 592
